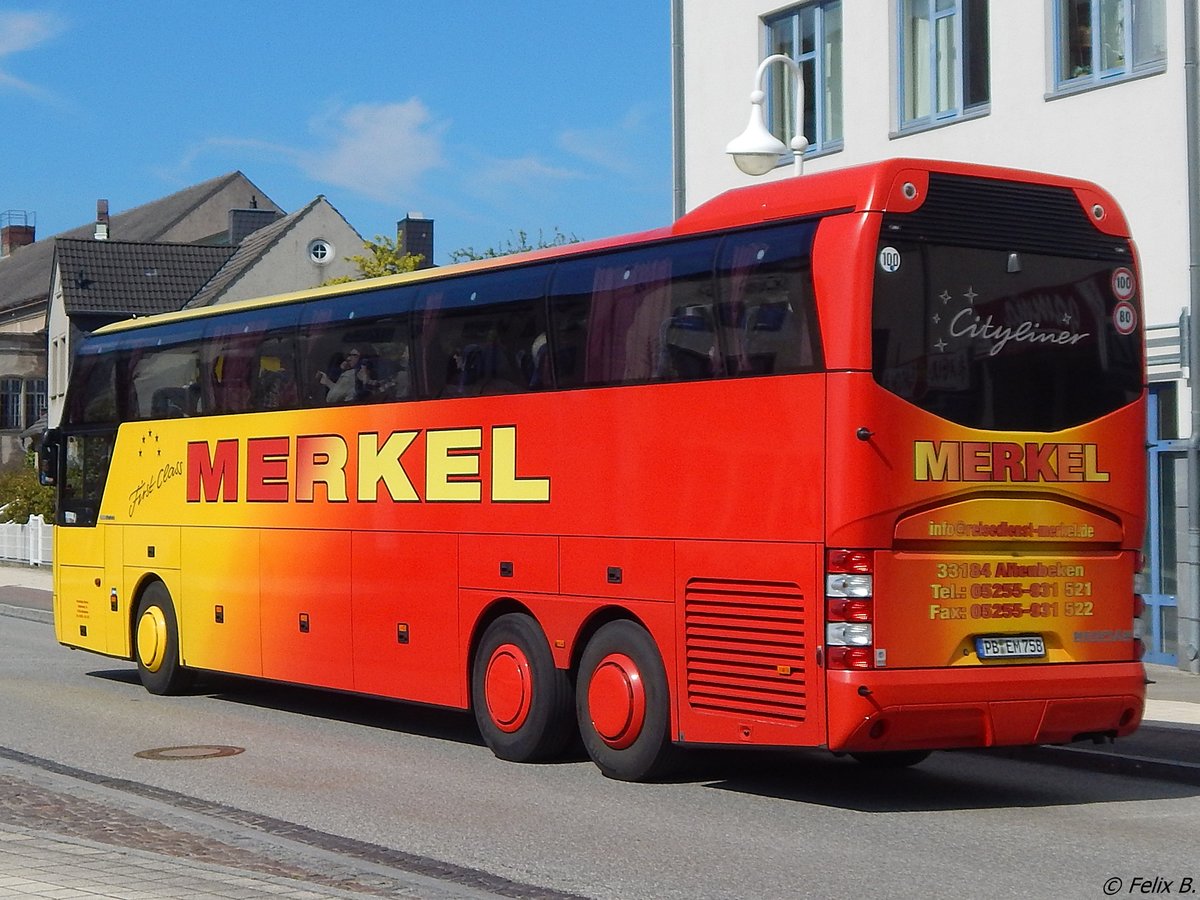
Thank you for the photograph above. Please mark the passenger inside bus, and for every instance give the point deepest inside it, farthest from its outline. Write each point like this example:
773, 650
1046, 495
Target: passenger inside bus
344, 388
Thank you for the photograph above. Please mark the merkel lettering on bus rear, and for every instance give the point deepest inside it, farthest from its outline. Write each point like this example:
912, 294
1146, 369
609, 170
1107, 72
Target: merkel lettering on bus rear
1006, 461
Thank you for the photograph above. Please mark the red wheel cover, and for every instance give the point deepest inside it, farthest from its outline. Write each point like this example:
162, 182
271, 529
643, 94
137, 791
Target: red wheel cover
617, 701
508, 687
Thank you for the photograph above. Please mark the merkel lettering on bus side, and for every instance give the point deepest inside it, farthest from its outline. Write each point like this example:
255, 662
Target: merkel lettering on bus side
453, 468
1006, 461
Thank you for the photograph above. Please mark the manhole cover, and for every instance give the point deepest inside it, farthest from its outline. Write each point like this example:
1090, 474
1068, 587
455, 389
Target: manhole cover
197, 751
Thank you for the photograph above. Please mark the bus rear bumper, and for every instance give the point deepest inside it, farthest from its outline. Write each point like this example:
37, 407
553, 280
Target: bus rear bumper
929, 709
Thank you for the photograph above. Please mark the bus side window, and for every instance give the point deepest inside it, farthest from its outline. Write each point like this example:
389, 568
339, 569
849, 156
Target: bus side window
479, 336
273, 375
93, 398
164, 382
765, 316
229, 372
355, 360
634, 317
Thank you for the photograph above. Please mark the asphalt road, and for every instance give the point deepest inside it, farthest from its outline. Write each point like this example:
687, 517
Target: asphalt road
418, 783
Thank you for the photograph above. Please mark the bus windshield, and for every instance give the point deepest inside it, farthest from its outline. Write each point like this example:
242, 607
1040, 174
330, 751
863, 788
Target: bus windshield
1002, 339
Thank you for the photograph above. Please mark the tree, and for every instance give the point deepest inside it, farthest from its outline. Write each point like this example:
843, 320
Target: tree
383, 257
22, 495
519, 245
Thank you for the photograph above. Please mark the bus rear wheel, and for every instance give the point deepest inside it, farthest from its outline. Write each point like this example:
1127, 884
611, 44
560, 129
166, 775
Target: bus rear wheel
522, 701
156, 643
623, 704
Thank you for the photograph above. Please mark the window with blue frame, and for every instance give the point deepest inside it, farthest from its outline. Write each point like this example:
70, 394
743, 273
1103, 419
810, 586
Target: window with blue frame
944, 61
810, 34
1098, 41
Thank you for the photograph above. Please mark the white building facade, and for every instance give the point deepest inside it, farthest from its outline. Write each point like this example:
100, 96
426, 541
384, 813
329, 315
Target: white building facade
1095, 89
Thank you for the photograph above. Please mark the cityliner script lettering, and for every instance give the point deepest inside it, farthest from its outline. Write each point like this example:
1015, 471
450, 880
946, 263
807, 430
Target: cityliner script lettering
308, 466
1005, 461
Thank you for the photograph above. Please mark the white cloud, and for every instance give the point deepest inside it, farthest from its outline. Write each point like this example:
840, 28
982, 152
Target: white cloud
20, 31
379, 150
609, 147
376, 150
496, 176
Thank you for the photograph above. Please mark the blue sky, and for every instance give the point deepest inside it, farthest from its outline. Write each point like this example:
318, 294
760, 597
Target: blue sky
486, 116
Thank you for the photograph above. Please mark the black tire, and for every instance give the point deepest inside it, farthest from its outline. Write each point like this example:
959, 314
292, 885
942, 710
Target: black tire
891, 759
623, 704
522, 701
156, 643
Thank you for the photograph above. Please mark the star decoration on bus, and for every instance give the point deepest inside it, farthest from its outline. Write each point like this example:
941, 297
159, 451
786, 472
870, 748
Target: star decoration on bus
146, 438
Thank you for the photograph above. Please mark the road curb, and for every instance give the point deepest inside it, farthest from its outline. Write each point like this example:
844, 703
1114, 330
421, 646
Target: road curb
22, 612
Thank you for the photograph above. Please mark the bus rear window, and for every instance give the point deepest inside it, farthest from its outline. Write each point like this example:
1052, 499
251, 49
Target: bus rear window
1004, 339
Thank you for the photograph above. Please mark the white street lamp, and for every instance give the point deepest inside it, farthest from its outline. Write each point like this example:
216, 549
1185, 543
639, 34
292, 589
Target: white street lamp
756, 151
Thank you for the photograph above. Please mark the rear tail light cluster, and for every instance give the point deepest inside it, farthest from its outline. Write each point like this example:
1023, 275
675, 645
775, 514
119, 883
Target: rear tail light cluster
849, 609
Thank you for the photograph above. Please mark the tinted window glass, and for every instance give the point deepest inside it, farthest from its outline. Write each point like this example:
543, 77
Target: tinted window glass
93, 397
357, 348
247, 364
1005, 340
163, 382
766, 317
635, 316
482, 334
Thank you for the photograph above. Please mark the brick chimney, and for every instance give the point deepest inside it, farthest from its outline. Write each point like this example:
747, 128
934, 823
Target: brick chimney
416, 237
101, 220
17, 229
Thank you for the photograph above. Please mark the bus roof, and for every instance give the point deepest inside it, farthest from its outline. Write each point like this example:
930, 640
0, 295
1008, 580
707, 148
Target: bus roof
876, 186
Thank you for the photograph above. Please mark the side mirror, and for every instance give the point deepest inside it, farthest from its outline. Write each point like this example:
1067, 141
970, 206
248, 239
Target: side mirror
48, 457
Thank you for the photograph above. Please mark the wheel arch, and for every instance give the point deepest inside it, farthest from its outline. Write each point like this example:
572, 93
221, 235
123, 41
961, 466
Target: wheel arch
598, 620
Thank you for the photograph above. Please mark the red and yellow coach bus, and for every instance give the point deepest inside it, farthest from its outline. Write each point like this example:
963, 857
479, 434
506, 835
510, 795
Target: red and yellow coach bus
852, 461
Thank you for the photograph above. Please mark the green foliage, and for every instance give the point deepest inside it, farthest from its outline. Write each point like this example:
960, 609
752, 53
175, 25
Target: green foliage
383, 257
22, 495
518, 243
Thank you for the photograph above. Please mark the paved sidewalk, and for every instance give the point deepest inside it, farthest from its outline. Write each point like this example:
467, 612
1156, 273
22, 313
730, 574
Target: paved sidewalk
42, 864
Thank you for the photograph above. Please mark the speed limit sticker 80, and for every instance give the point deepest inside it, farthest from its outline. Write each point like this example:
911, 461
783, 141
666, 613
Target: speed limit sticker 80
1124, 317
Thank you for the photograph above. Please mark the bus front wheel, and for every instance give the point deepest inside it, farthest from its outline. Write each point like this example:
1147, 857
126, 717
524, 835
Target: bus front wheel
156, 643
623, 704
522, 701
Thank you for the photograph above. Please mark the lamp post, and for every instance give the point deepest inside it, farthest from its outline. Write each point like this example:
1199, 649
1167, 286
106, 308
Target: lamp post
756, 151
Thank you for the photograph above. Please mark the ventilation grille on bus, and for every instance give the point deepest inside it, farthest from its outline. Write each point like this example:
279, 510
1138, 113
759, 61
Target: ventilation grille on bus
1004, 215
745, 648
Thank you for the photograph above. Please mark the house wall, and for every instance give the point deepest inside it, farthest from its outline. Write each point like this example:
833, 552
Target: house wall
58, 348
211, 217
287, 265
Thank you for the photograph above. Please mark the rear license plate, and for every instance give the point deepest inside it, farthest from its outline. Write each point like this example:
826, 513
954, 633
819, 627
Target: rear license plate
1015, 646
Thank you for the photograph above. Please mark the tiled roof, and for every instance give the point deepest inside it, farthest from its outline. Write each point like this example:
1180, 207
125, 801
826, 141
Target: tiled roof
25, 274
133, 279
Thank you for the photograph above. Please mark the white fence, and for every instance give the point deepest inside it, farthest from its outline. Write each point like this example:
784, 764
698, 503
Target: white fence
32, 543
